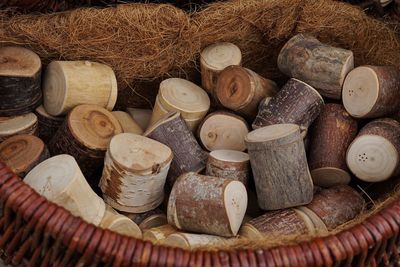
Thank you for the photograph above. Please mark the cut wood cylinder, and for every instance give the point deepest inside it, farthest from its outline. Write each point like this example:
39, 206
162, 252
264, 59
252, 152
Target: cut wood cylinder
279, 164
330, 136
223, 130
195, 199
229, 164
182, 96
213, 59
135, 170
22, 153
120, 224
159, 234
190, 241
149, 219
47, 124
172, 131
60, 180
373, 156
20, 81
297, 103
85, 135
68, 84
322, 66
127, 123
24, 124
141, 116
372, 91
241, 90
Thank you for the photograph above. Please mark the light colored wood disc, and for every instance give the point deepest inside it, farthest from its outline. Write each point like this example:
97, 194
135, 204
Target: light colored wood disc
235, 199
220, 55
306, 219
120, 224
153, 221
128, 124
372, 158
141, 116
18, 61
272, 132
318, 224
18, 124
360, 91
230, 155
330, 176
159, 234
250, 232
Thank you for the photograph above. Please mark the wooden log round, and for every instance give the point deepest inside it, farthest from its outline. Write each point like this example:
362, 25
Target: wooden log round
24, 124
135, 171
149, 219
158, 234
372, 91
190, 241
141, 116
213, 59
20, 81
279, 166
120, 224
172, 131
330, 136
68, 84
195, 198
85, 134
223, 130
22, 153
127, 123
60, 180
297, 102
47, 124
373, 156
229, 164
241, 90
322, 66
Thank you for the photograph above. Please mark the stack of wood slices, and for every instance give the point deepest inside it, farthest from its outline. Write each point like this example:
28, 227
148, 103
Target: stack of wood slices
237, 157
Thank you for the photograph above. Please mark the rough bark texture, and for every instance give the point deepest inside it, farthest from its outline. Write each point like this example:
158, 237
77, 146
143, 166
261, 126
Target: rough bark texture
47, 125
321, 66
295, 103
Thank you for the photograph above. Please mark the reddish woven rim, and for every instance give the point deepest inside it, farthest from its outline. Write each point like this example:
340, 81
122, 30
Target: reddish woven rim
36, 232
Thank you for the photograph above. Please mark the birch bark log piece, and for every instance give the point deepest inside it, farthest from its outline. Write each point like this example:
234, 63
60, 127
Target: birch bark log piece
373, 156
60, 180
141, 116
85, 135
127, 122
68, 84
120, 224
213, 59
23, 152
322, 66
195, 199
229, 164
24, 124
158, 234
279, 164
182, 96
172, 131
190, 241
330, 136
135, 170
47, 124
241, 90
372, 91
223, 130
149, 219
297, 103
20, 81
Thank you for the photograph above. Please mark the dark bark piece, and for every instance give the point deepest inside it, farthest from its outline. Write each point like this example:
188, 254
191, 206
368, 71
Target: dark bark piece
373, 156
372, 91
297, 102
279, 165
322, 66
47, 124
20, 81
330, 135
24, 124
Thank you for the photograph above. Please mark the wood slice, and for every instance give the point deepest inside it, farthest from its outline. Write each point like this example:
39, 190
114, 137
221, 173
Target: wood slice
241, 90
24, 124
297, 103
229, 164
213, 59
330, 136
158, 234
194, 241
20, 81
372, 91
141, 116
172, 131
60, 180
135, 171
374, 155
322, 66
47, 124
279, 165
195, 198
223, 130
120, 224
68, 84
85, 135
23, 152
149, 219
127, 123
